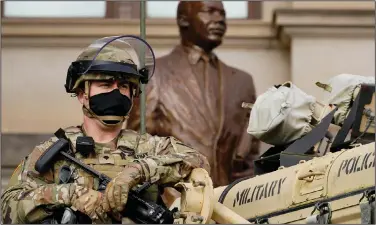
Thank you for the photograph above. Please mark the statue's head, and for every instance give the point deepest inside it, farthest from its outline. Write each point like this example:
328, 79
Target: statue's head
202, 23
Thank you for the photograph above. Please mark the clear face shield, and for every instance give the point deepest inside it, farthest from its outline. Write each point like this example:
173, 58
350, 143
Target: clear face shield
117, 57
125, 59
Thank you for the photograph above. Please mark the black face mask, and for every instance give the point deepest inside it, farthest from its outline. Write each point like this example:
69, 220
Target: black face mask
110, 104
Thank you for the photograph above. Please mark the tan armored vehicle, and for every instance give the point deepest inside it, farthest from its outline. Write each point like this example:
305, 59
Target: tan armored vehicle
320, 170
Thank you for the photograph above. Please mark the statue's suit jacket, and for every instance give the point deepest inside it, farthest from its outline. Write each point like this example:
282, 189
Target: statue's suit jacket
201, 106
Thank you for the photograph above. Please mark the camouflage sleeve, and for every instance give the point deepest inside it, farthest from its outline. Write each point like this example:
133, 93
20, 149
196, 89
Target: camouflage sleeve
171, 162
30, 197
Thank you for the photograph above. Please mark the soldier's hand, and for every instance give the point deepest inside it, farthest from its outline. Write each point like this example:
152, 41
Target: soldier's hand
116, 193
89, 202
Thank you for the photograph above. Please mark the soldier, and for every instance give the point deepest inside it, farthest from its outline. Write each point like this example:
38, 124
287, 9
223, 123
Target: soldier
105, 79
197, 98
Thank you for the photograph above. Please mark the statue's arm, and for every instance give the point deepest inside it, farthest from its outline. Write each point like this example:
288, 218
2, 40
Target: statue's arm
248, 148
152, 99
247, 152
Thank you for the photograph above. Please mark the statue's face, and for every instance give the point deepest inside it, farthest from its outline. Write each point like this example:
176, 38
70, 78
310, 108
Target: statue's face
208, 22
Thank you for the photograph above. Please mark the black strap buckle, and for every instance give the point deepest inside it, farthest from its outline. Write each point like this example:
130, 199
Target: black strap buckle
323, 208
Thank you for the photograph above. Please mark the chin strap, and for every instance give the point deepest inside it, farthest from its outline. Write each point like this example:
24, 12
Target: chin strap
101, 119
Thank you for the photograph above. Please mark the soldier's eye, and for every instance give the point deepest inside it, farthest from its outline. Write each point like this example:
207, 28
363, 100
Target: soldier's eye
104, 85
124, 85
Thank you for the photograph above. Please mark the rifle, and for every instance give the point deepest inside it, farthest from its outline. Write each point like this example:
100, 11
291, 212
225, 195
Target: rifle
136, 209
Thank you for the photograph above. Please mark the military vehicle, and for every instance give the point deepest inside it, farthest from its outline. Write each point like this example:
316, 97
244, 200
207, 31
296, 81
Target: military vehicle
301, 179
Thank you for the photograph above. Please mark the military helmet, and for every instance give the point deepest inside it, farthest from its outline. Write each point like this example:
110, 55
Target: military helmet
116, 57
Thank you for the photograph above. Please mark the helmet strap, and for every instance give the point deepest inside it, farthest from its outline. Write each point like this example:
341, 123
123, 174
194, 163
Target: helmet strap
136, 91
87, 89
89, 113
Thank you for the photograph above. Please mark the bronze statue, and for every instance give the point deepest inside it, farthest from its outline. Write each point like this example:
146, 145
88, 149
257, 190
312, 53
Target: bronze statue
197, 98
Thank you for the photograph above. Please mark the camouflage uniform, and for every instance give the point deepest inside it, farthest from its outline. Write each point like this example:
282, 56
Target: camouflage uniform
31, 196
129, 159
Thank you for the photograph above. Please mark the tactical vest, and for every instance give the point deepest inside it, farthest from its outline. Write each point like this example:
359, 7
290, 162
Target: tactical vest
106, 160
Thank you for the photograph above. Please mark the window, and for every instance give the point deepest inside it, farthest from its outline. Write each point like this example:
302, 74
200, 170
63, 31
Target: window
116, 9
167, 9
57, 9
